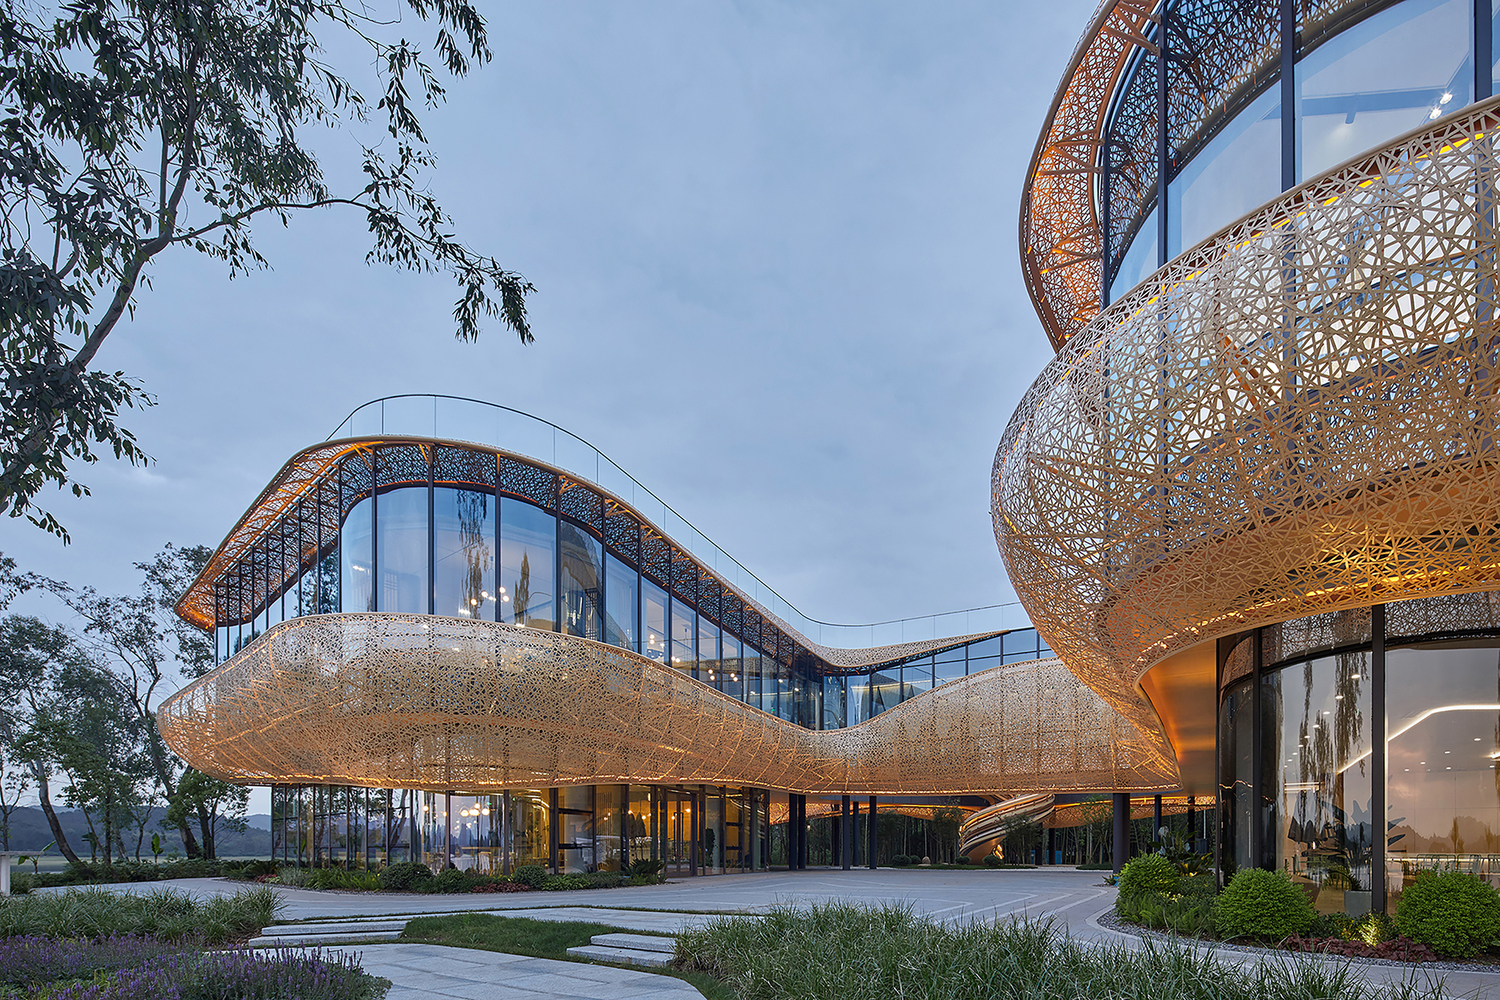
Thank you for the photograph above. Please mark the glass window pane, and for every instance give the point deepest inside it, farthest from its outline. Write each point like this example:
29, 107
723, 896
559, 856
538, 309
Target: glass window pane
1443, 786
1386, 75
355, 547
528, 539
752, 678
943, 672
859, 700
1318, 773
708, 652
1237, 170
402, 521
916, 677
731, 672
885, 692
620, 603
582, 565
1139, 260
684, 621
1235, 788
835, 702
463, 533
654, 620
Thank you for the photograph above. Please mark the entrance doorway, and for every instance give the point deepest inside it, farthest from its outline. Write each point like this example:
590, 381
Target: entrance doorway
679, 841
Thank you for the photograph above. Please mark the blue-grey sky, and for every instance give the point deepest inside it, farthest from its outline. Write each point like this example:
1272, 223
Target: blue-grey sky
775, 248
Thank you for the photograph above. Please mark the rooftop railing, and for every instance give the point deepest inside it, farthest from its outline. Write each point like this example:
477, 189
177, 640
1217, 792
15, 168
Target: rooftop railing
456, 418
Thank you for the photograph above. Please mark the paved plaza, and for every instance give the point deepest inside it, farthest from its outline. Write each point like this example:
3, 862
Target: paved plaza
1074, 899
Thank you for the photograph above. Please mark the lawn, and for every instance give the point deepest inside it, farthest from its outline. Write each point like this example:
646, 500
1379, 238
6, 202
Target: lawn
536, 938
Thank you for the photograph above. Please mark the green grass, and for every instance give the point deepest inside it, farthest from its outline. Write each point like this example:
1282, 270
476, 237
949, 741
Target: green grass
165, 913
844, 952
536, 938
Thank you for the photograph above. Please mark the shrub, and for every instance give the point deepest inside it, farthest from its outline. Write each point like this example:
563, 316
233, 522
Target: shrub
450, 880
606, 880
559, 883
531, 876
646, 866
340, 878
1458, 914
1262, 905
993, 861
901, 861
163, 913
404, 876
962, 859
1149, 873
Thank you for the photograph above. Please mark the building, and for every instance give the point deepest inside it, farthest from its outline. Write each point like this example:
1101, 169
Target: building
486, 656
1254, 502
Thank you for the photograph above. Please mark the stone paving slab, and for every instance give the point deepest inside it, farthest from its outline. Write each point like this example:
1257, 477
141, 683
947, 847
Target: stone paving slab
436, 972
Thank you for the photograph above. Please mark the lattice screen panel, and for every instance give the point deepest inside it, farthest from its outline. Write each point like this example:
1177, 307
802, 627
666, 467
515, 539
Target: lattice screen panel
1294, 418
415, 701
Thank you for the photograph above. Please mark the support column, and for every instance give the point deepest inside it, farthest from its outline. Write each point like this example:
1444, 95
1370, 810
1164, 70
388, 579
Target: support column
855, 839
1051, 845
1156, 818
752, 799
692, 832
874, 829
1378, 740
1122, 830
845, 841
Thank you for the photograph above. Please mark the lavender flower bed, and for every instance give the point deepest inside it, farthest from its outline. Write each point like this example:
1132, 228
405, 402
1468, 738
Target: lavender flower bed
32, 959
279, 974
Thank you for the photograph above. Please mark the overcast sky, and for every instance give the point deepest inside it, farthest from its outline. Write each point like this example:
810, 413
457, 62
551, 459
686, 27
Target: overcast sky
775, 253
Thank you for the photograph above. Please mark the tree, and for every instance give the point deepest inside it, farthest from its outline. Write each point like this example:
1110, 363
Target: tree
222, 803
145, 645
15, 783
32, 653
132, 127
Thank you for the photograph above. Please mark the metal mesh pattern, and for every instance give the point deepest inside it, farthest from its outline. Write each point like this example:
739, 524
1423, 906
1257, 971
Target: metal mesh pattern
417, 701
1296, 417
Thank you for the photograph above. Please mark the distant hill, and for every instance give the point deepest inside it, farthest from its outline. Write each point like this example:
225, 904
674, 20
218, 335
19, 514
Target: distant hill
29, 832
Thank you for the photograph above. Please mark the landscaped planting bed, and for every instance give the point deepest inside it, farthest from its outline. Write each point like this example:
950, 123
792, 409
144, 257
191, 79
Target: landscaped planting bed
90, 944
410, 876
845, 952
1448, 915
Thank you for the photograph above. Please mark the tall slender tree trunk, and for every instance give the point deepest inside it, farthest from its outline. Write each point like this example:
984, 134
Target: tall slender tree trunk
44, 796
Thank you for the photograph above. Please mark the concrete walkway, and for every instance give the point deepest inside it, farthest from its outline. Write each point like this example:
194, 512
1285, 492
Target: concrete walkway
434, 972
1073, 899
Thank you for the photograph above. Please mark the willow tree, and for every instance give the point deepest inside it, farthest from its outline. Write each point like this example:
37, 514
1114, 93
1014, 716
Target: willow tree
136, 127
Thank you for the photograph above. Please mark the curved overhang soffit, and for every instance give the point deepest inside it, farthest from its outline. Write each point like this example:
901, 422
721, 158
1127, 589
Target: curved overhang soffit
304, 530
1222, 53
418, 701
1296, 416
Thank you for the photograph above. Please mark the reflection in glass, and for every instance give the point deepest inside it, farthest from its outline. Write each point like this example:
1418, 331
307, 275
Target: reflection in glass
1443, 786
528, 537
916, 677
731, 677
708, 652
752, 678
1387, 74
581, 560
1318, 771
949, 666
620, 594
654, 620
834, 702
859, 699
357, 553
684, 621
885, 692
1139, 261
463, 533
1237, 170
1236, 729
402, 557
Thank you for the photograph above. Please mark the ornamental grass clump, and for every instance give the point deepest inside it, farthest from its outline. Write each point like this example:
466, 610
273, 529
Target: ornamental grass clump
1263, 906
281, 974
840, 951
1455, 913
165, 914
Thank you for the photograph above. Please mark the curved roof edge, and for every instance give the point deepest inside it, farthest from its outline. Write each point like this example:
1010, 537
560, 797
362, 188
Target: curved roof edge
307, 469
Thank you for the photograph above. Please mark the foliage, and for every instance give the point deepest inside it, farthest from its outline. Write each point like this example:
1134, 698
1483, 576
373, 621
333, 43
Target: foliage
166, 914
531, 876
404, 876
1189, 916
993, 861
238, 974
1456, 913
1178, 849
839, 951
1148, 873
962, 859
341, 878
645, 866
94, 873
137, 126
35, 959
902, 860
1262, 905
1400, 948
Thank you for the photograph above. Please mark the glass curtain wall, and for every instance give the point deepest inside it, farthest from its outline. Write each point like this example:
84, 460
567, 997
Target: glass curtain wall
1326, 816
1372, 80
